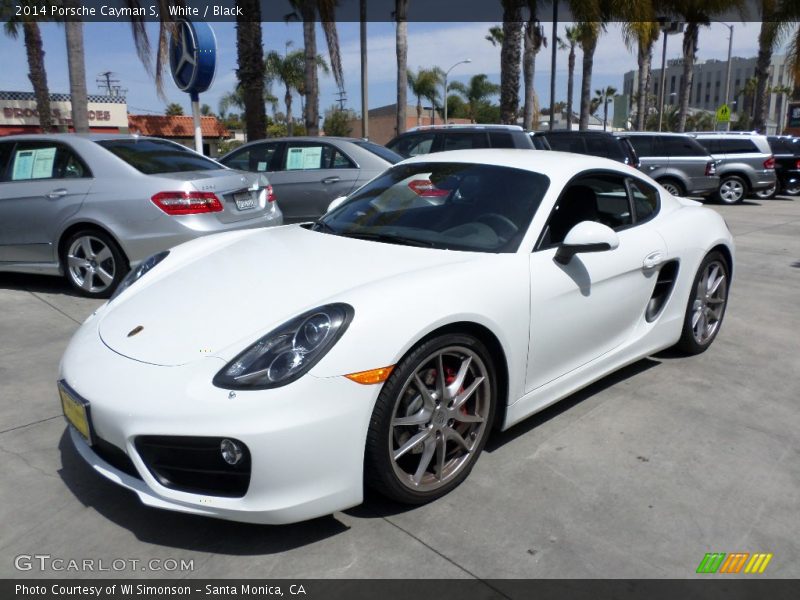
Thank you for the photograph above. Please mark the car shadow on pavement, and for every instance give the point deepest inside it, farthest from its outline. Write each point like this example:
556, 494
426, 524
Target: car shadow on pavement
179, 530
377, 506
47, 284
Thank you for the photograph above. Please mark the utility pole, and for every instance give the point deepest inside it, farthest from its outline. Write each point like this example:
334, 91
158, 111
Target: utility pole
364, 99
553, 47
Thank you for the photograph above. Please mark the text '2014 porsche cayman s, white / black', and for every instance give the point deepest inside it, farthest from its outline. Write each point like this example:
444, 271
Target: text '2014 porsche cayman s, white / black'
270, 375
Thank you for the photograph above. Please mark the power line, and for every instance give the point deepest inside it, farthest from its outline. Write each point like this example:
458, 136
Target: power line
110, 85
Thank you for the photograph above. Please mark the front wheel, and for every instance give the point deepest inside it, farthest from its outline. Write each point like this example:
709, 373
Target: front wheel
706, 306
431, 420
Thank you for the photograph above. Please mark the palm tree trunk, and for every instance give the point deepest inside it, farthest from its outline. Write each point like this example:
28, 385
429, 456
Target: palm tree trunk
570, 85
37, 75
766, 40
605, 112
509, 61
250, 73
528, 69
289, 123
77, 75
419, 111
586, 82
645, 57
401, 41
690, 37
311, 79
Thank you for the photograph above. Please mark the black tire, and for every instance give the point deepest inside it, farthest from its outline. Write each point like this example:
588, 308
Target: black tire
690, 342
90, 269
767, 194
726, 195
671, 184
383, 471
792, 189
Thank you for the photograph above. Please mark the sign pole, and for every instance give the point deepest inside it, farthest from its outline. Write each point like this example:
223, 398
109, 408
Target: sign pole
198, 127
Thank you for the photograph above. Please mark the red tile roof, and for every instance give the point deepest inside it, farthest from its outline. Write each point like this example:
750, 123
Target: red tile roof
175, 126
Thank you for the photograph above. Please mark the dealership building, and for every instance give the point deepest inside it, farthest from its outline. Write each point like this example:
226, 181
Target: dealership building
107, 114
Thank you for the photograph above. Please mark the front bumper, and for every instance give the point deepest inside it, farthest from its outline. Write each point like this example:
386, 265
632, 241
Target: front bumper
306, 439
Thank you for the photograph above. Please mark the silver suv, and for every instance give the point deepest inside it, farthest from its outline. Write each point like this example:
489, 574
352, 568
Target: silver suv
745, 163
678, 162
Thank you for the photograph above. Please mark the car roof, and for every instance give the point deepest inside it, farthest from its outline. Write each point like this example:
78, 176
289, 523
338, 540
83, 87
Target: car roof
81, 136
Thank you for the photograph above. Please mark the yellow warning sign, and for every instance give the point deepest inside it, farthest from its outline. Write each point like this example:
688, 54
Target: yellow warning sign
723, 114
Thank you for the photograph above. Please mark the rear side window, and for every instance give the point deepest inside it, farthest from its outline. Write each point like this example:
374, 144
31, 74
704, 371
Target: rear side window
645, 200
711, 145
737, 146
388, 155
782, 146
464, 141
643, 144
153, 157
567, 143
605, 147
257, 158
412, 145
500, 139
678, 145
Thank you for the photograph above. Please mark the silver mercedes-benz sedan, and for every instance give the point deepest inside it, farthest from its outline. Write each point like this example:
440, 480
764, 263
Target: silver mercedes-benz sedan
309, 172
91, 207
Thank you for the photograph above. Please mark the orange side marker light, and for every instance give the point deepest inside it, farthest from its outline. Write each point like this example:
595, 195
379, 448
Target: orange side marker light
372, 376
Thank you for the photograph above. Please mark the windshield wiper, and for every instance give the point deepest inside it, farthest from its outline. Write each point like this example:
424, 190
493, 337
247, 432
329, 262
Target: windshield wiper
323, 226
387, 238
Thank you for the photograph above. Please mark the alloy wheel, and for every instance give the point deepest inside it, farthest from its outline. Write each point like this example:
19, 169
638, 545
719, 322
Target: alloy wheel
439, 419
766, 194
731, 191
671, 188
91, 264
711, 296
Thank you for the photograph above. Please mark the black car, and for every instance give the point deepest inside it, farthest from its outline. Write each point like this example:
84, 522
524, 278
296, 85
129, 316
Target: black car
786, 150
593, 143
440, 138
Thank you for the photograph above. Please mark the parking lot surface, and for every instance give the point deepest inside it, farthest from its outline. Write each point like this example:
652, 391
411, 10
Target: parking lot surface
637, 476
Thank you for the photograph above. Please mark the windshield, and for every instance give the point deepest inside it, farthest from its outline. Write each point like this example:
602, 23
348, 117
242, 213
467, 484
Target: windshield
152, 157
381, 151
456, 206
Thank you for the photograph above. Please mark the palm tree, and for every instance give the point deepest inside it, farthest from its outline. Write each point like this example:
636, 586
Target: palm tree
644, 34
695, 14
35, 52
401, 45
425, 84
603, 97
250, 53
308, 11
533, 36
289, 69
173, 109
571, 35
478, 92
495, 35
76, 65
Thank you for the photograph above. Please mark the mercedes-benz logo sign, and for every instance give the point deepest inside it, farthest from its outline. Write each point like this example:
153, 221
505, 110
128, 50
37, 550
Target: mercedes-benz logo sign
192, 56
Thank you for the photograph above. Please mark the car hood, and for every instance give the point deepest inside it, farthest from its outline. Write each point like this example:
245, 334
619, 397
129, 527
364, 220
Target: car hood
227, 293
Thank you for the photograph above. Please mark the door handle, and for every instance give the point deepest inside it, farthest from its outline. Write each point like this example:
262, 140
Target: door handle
652, 260
59, 193
654, 167
333, 179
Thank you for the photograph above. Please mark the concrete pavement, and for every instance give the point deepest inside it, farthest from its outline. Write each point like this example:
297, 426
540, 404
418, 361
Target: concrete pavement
637, 476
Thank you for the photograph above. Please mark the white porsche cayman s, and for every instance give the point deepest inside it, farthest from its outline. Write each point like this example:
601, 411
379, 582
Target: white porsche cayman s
269, 375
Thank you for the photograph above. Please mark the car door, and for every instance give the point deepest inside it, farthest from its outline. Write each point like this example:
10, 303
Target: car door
312, 174
44, 183
593, 304
652, 159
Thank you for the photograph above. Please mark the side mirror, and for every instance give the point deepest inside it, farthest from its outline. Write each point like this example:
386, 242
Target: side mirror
336, 202
586, 236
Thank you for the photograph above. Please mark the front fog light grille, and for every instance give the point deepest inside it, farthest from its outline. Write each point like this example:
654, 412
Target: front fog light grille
195, 464
115, 457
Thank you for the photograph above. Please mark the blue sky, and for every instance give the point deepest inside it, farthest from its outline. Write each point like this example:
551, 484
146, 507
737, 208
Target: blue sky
109, 47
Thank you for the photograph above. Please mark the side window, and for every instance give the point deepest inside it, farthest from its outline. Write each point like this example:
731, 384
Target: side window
43, 160
257, 158
464, 141
711, 145
567, 143
412, 145
676, 145
5, 154
337, 159
600, 197
500, 139
603, 146
643, 144
738, 146
645, 200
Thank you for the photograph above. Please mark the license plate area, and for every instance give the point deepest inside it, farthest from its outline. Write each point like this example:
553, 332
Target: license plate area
245, 200
76, 411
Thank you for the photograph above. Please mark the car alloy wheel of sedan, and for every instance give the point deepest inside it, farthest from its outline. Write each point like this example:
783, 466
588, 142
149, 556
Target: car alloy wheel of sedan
709, 303
441, 406
93, 264
731, 190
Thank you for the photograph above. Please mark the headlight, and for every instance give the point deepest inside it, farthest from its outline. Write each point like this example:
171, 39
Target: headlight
288, 352
136, 274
